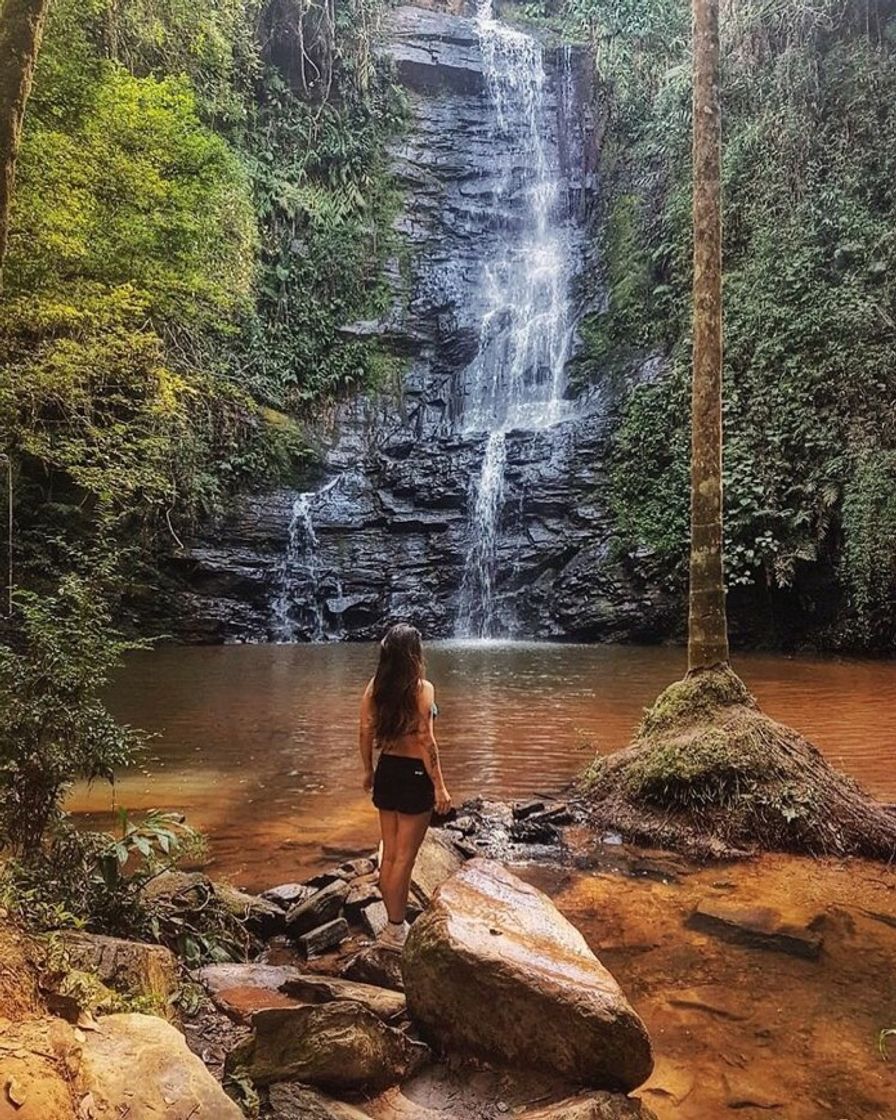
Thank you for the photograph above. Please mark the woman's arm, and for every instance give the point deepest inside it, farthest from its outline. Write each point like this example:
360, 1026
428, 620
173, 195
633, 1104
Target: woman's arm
431, 753
366, 727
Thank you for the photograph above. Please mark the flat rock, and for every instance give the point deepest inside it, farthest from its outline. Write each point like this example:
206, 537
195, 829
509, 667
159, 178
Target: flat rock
742, 1093
322, 906
377, 966
493, 970
437, 860
289, 1101
139, 1066
288, 894
385, 1004
340, 1046
240, 990
757, 927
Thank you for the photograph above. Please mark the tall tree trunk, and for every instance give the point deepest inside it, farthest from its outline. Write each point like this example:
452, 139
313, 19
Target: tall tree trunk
707, 625
21, 30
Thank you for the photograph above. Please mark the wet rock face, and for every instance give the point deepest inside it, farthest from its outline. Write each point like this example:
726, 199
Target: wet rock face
493, 970
388, 532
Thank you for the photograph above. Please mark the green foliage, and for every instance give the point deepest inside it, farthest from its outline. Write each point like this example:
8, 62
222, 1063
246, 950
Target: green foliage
54, 726
192, 224
810, 258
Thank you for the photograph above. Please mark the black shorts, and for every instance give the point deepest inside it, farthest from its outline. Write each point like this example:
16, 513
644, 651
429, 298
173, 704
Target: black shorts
401, 785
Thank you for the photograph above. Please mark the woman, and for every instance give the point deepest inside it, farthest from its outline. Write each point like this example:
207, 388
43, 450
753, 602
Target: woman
397, 713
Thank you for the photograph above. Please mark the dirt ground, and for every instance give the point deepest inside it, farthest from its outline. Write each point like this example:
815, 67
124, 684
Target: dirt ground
748, 1030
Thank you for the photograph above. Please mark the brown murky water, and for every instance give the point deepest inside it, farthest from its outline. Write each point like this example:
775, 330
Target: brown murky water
257, 744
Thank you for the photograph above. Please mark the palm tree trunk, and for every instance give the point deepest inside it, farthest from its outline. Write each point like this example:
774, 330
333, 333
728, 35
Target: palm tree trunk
707, 625
21, 30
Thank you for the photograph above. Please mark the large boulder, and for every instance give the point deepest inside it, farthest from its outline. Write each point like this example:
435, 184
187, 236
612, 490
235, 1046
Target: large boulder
340, 1046
139, 1066
493, 969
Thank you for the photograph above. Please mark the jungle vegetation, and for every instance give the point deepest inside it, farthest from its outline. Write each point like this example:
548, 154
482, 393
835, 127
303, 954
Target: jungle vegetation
809, 124
200, 201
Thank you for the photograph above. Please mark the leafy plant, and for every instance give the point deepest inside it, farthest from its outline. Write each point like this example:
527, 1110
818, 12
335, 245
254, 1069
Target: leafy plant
54, 726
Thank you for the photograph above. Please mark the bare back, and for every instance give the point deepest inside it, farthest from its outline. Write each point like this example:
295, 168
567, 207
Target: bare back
414, 743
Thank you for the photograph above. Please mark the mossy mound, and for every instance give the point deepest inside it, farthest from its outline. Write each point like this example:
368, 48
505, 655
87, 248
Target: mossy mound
711, 775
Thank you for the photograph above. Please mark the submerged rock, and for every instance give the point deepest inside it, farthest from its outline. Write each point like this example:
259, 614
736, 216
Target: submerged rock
341, 1046
757, 927
493, 969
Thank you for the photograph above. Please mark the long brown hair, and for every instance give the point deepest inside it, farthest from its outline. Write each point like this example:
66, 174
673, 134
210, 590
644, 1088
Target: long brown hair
396, 684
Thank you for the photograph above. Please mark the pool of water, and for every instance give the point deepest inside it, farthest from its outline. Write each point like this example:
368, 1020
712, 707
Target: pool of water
258, 744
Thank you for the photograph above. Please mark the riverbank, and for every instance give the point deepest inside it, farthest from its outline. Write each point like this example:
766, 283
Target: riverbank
764, 984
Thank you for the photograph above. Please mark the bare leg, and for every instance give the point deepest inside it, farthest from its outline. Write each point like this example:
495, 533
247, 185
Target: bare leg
389, 832
409, 836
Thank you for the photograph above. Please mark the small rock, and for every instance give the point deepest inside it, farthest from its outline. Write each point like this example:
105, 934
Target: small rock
740, 1092
306, 988
523, 809
339, 1046
756, 927
464, 825
466, 847
531, 831
360, 895
378, 966
714, 1000
327, 936
374, 919
321, 907
355, 868
288, 894
556, 814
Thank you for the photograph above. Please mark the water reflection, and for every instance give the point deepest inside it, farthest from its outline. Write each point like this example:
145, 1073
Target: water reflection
258, 743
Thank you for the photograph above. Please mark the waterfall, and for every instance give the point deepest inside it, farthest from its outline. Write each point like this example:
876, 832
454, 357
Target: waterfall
517, 379
299, 570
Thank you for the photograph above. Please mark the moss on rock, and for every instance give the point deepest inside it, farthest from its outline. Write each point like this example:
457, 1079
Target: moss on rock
710, 774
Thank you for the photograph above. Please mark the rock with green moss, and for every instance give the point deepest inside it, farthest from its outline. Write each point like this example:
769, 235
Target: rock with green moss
143, 976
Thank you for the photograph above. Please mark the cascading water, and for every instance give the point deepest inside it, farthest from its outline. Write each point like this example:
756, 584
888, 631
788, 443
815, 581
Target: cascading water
299, 571
517, 378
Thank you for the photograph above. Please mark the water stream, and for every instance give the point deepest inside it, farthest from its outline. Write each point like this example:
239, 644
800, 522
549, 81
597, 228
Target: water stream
517, 378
